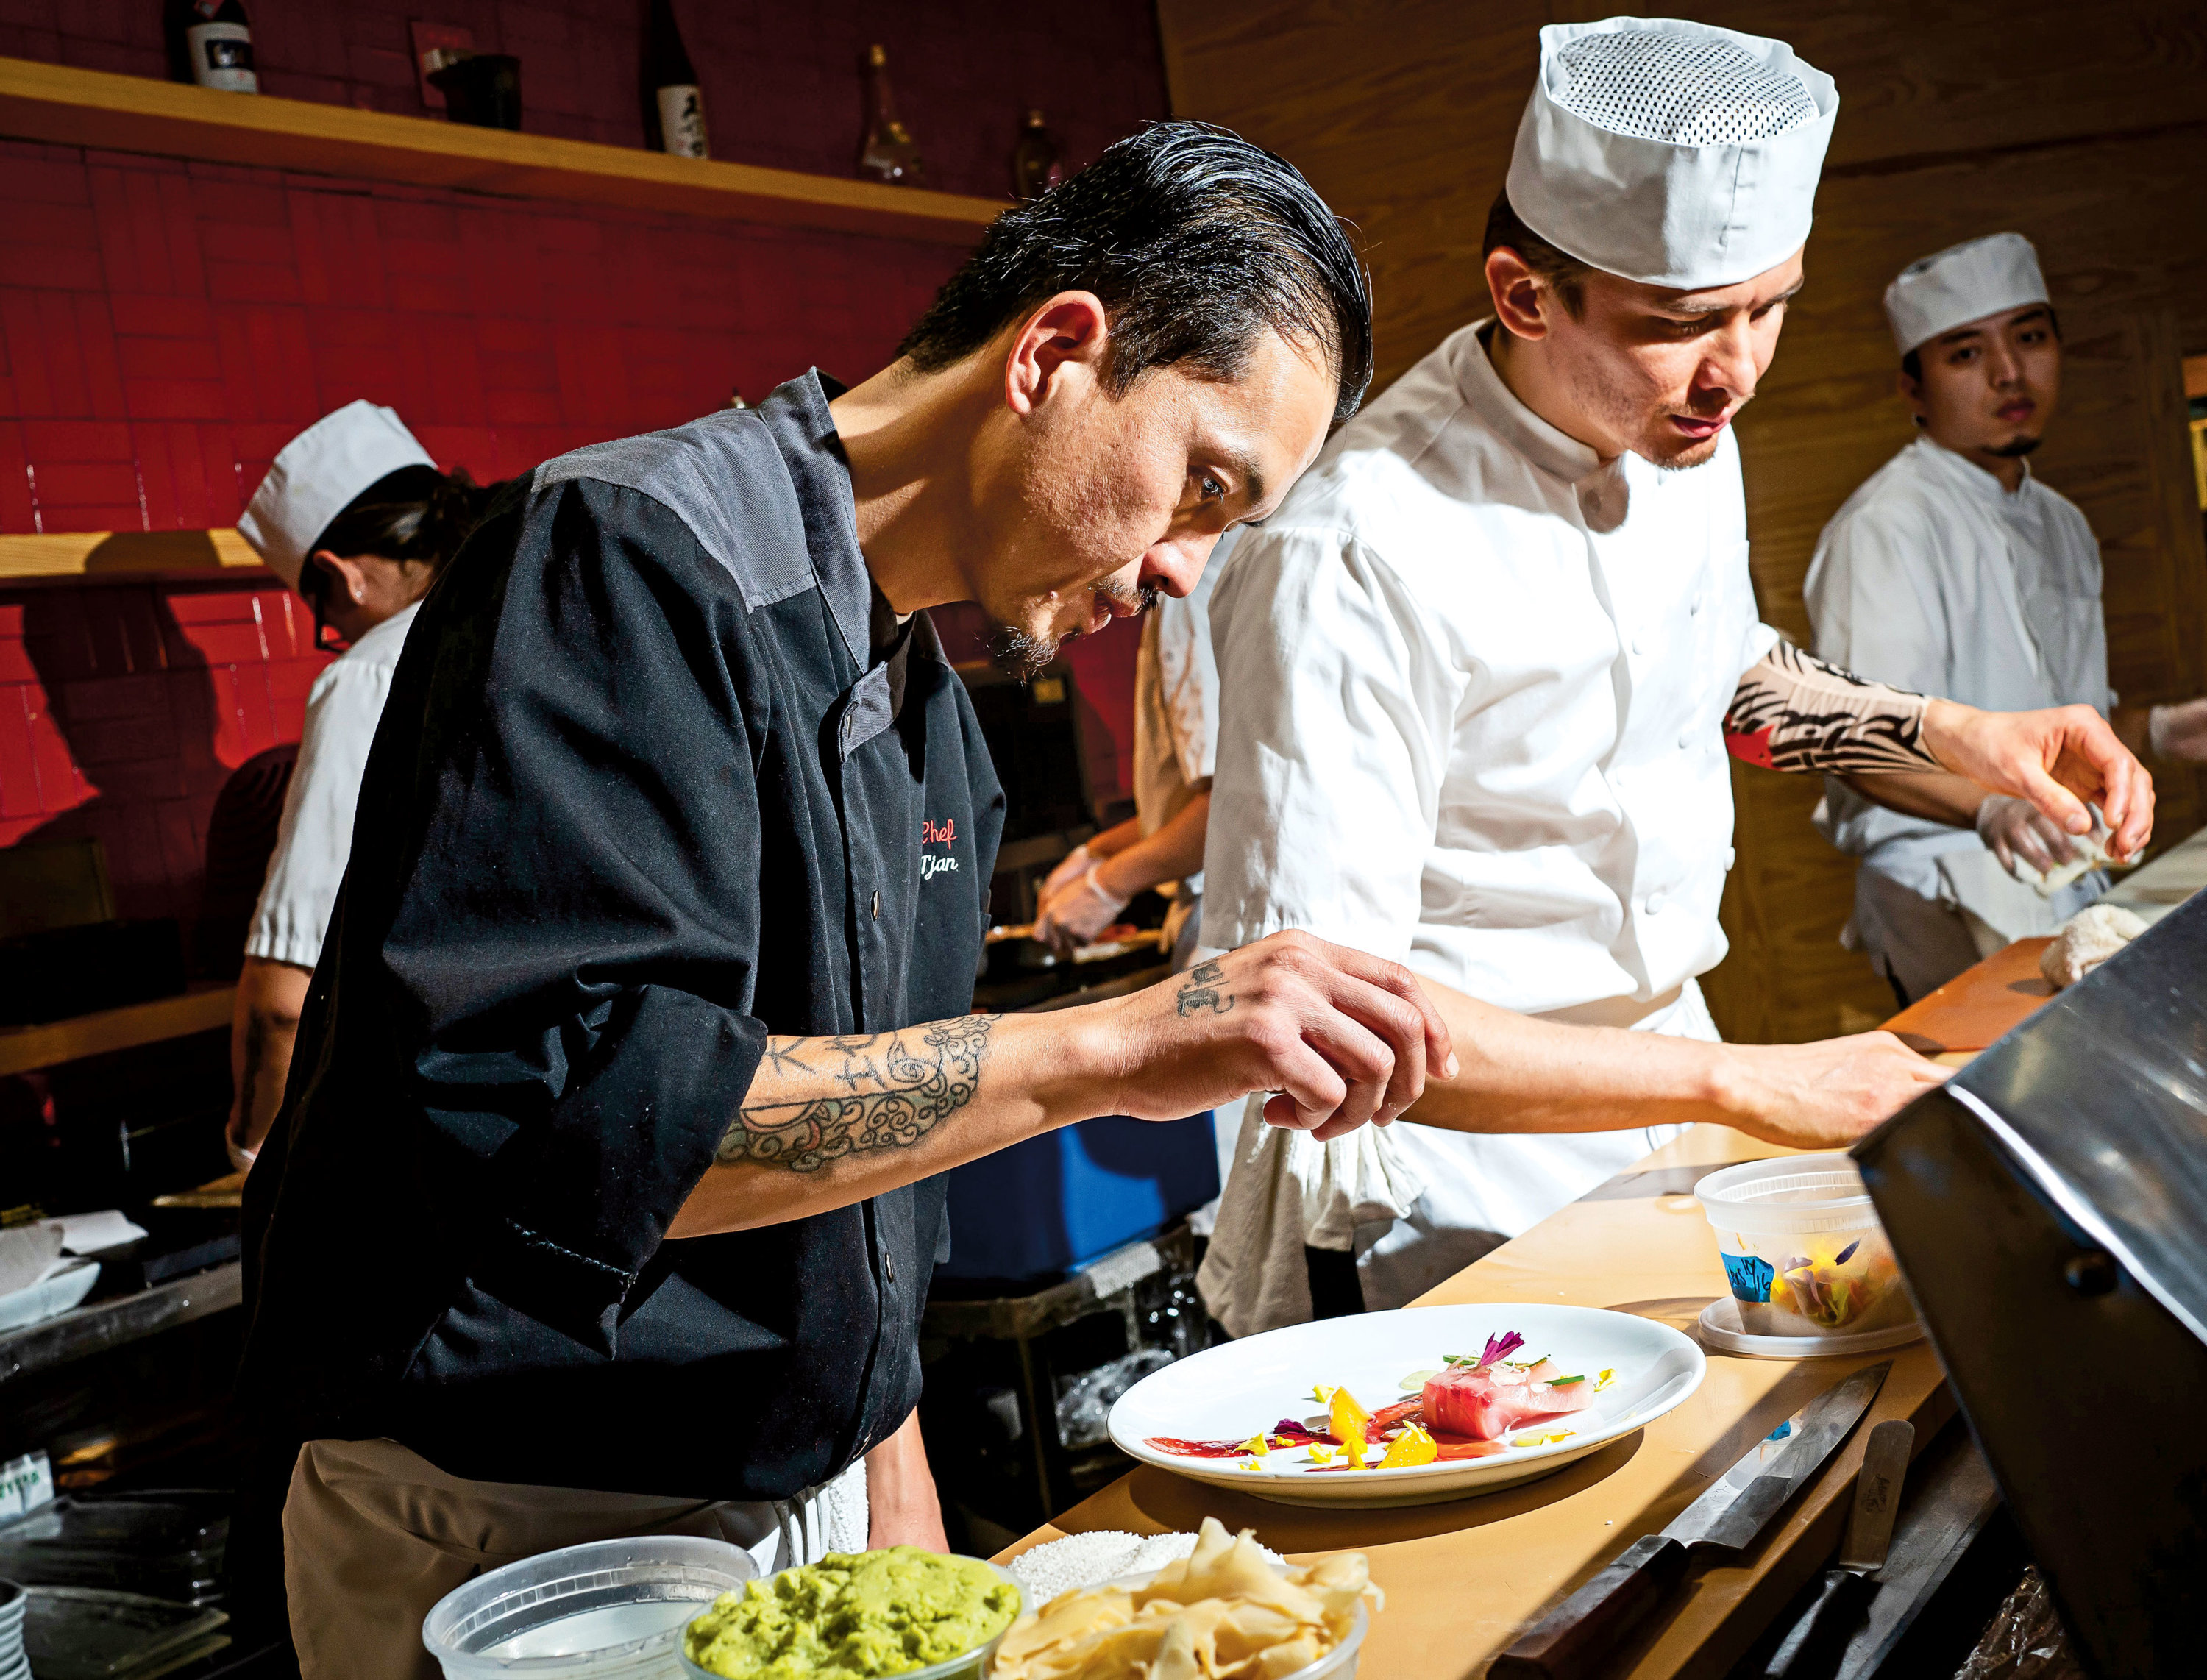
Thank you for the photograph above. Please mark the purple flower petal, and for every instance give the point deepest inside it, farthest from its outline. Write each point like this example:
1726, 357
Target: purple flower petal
1501, 1347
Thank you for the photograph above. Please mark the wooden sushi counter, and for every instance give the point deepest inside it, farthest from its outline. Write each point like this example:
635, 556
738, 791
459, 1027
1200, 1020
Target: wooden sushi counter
1463, 1578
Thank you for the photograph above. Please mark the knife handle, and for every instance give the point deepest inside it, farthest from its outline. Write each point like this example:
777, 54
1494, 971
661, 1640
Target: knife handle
1577, 1636
1818, 1640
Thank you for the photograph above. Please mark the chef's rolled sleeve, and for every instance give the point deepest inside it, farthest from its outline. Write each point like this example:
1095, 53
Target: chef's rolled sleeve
1332, 748
581, 934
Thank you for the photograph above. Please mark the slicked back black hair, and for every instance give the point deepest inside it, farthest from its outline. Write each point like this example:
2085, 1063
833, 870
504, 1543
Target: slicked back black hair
1194, 240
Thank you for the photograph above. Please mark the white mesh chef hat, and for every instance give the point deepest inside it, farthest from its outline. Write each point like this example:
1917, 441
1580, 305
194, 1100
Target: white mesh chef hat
315, 477
1962, 283
1675, 153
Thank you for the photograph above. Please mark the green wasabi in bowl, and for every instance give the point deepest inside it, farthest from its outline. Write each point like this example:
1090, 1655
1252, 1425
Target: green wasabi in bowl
853, 1616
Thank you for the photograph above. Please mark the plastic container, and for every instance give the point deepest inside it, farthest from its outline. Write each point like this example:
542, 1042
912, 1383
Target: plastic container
970, 1665
1802, 1249
1338, 1663
610, 1610
1081, 1191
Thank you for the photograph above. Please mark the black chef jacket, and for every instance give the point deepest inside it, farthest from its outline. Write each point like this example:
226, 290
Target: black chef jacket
642, 796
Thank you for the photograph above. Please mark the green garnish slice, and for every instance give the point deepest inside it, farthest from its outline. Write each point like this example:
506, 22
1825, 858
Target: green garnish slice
1564, 1382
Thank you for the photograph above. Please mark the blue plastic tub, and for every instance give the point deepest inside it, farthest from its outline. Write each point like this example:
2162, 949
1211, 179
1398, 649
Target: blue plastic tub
1032, 1212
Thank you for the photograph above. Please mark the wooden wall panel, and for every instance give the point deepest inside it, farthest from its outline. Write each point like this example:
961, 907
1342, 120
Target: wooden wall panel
2086, 131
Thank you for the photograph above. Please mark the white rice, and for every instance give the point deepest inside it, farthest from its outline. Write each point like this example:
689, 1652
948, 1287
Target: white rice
1090, 1559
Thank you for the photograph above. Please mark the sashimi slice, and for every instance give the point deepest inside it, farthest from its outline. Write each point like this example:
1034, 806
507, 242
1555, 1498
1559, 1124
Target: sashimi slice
1484, 1402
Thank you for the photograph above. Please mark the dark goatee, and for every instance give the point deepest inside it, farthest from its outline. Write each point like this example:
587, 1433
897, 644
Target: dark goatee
1019, 655
2016, 448
1023, 657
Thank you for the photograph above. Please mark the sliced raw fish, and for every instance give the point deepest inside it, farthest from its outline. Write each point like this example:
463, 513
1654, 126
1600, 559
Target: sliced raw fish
1486, 1401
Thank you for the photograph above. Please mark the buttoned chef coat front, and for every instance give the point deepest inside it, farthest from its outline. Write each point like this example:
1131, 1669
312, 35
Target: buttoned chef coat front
646, 792
1473, 685
1934, 577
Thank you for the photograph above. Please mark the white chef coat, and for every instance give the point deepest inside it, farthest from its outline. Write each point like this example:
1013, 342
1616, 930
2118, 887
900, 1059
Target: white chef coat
1475, 687
1935, 578
314, 839
1177, 701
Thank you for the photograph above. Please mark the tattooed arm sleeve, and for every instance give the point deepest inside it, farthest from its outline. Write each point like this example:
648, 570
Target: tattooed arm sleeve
817, 1100
1793, 711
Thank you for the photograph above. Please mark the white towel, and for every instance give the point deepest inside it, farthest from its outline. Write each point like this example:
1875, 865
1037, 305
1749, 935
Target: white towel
1288, 1191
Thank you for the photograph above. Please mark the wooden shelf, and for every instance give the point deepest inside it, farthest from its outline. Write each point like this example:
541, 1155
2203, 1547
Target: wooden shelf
25, 1048
74, 107
126, 554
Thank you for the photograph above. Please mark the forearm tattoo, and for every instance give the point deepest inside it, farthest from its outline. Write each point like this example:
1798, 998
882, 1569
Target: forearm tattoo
889, 1090
1793, 711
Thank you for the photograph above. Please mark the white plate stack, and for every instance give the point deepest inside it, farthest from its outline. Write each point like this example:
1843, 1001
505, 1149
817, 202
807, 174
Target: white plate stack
14, 1600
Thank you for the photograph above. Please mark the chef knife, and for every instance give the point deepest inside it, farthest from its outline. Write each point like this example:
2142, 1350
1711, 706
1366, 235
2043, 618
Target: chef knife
1577, 1637
1815, 1643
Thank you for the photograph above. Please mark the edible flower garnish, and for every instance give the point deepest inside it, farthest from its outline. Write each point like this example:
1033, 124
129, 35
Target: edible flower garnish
1320, 1453
1546, 1438
1501, 1347
1412, 1447
1349, 1421
1848, 1252
1255, 1444
1604, 1380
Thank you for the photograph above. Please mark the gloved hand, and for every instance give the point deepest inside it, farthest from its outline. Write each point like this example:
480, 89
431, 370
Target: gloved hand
1076, 912
2179, 731
2015, 829
1077, 862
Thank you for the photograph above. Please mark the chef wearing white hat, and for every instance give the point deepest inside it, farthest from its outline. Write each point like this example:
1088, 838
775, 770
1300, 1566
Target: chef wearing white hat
1955, 571
1481, 669
354, 516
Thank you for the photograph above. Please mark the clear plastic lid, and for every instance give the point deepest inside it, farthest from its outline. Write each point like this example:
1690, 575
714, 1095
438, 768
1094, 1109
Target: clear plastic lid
1795, 1194
605, 1609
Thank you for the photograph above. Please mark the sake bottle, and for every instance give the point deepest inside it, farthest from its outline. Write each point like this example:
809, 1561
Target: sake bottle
674, 109
217, 43
1038, 159
888, 152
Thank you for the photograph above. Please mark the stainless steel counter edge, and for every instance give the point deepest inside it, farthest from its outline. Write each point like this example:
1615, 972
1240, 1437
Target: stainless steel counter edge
110, 1323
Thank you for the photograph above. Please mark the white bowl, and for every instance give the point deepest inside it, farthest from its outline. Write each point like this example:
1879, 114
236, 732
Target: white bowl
1235, 1390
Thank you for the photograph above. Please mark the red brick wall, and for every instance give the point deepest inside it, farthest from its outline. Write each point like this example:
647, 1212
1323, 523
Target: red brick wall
164, 328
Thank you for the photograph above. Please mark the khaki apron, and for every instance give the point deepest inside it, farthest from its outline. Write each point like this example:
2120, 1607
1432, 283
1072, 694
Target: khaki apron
374, 1534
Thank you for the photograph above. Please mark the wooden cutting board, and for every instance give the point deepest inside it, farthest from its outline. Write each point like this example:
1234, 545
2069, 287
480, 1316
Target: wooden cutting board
1978, 1005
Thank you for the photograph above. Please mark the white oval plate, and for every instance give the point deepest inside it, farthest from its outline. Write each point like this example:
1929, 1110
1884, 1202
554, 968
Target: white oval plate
1233, 1391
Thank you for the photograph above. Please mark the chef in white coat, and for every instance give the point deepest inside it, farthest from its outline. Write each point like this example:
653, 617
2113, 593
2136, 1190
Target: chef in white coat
1955, 571
1176, 744
1482, 668
356, 516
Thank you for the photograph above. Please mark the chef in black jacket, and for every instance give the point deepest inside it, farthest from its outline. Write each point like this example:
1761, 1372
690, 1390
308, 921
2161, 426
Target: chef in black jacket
606, 1189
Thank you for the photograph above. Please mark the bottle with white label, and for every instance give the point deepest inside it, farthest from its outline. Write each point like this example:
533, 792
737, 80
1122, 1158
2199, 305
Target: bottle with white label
673, 106
219, 42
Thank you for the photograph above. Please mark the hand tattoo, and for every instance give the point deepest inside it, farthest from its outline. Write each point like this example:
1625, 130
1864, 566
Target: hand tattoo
1792, 711
1200, 991
892, 1094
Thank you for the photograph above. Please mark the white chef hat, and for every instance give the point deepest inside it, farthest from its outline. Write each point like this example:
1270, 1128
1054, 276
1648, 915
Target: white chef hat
316, 476
1962, 282
1675, 153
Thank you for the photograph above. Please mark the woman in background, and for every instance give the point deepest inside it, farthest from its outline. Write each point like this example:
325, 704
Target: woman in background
356, 518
